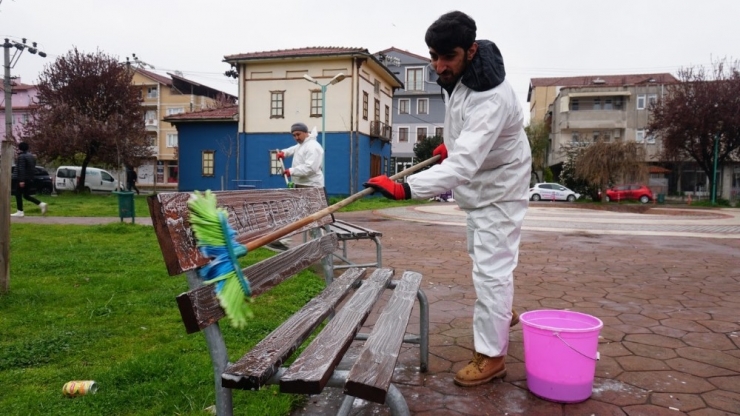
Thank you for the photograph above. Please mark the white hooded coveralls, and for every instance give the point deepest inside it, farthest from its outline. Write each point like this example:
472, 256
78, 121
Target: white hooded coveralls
307, 159
488, 167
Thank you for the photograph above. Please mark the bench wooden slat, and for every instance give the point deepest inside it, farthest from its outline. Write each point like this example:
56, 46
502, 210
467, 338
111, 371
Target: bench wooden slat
310, 372
259, 364
346, 230
371, 374
200, 308
252, 214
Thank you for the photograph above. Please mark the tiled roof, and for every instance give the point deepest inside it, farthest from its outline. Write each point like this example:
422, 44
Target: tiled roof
154, 76
17, 86
608, 80
216, 114
296, 53
394, 49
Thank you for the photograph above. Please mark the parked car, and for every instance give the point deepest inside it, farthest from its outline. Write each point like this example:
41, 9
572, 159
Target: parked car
630, 192
96, 180
42, 183
552, 192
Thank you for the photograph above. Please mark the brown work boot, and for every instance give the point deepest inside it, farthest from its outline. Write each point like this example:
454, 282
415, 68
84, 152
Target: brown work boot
514, 318
481, 370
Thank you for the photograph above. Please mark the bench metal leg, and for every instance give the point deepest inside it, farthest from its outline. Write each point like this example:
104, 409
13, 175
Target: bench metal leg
219, 358
394, 399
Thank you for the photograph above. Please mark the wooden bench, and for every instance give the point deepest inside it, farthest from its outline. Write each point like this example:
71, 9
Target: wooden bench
256, 213
346, 231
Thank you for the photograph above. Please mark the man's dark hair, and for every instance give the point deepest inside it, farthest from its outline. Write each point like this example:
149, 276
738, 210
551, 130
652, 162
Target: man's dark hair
451, 30
23, 146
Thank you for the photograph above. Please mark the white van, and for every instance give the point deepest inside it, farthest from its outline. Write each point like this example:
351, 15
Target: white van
96, 180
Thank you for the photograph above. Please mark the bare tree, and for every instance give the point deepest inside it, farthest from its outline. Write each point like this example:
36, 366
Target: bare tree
702, 108
89, 107
228, 146
604, 163
538, 134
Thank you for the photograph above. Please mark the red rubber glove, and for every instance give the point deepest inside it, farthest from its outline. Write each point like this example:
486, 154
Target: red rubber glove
287, 172
280, 155
389, 188
440, 150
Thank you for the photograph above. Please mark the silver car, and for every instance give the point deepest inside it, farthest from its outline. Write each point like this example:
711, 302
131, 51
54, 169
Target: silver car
552, 192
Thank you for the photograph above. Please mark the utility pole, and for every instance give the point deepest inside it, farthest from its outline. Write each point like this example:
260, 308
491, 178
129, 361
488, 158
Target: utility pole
6, 159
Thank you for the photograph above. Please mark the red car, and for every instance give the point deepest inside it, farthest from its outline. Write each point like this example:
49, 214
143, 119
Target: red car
634, 192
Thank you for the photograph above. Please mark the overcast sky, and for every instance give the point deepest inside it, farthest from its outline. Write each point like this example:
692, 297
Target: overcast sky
538, 38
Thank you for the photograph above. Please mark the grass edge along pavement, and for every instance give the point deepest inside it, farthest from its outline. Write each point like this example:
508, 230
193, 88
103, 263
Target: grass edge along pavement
96, 303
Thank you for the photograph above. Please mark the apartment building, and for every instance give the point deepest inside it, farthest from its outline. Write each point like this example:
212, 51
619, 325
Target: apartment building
23, 102
168, 95
418, 108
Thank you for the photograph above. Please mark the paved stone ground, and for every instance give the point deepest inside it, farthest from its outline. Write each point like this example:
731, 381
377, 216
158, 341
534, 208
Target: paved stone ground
670, 306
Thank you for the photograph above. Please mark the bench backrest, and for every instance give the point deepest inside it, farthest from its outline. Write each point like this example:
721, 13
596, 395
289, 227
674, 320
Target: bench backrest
252, 214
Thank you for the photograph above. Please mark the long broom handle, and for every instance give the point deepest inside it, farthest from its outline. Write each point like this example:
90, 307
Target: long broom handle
331, 209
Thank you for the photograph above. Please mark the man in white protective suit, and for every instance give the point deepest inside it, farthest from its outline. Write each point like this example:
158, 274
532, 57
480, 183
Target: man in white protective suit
486, 160
308, 156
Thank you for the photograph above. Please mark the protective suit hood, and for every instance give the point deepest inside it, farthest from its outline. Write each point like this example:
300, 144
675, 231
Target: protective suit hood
486, 70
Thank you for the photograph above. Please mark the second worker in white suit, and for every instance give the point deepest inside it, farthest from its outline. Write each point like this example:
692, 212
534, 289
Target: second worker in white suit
308, 157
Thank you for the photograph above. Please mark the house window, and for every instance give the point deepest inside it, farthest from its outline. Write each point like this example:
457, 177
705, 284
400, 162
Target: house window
575, 137
414, 79
377, 110
597, 104
316, 103
439, 132
608, 104
403, 134
650, 139
640, 136
574, 105
365, 105
276, 168
596, 134
151, 92
172, 172
618, 101
652, 99
421, 133
607, 136
403, 106
171, 139
277, 104
641, 102
175, 110
207, 157
387, 115
151, 115
422, 106
24, 118
376, 87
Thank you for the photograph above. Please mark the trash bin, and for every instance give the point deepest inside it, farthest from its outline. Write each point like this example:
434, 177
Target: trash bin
661, 198
126, 205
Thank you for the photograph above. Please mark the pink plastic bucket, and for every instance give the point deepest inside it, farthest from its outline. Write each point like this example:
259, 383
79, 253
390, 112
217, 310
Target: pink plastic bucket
560, 354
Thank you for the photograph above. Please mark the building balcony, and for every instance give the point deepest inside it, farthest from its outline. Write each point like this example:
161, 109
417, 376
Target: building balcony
380, 130
151, 124
604, 119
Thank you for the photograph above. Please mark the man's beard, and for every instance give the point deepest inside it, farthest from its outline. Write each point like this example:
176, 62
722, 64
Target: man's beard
451, 80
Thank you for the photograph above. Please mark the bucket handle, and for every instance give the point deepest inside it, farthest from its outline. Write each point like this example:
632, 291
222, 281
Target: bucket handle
557, 334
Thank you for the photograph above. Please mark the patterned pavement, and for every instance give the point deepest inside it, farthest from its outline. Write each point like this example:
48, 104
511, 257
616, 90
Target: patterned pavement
670, 306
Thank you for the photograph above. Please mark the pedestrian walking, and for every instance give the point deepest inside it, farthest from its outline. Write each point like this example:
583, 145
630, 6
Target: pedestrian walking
131, 178
25, 165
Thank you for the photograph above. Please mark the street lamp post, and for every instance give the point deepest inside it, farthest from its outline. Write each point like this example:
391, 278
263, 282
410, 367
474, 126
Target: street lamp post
337, 78
714, 172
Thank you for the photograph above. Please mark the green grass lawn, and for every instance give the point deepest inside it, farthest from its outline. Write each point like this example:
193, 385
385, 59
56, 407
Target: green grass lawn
95, 303
106, 205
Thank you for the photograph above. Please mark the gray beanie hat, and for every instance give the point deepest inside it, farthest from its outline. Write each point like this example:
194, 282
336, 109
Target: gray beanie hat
298, 127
